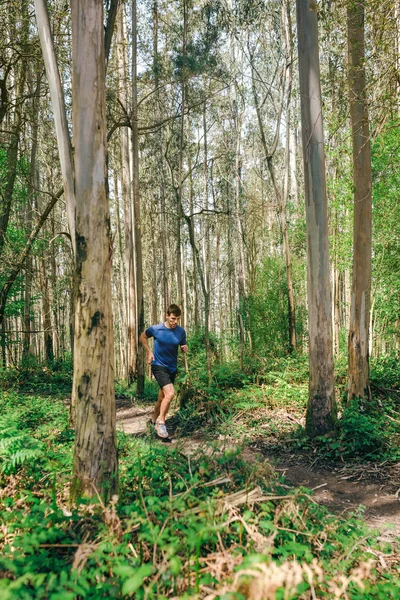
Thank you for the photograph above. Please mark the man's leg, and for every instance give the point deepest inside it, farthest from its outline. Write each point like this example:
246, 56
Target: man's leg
168, 393
156, 411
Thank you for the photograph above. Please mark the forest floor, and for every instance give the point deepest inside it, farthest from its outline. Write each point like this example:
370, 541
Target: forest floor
341, 487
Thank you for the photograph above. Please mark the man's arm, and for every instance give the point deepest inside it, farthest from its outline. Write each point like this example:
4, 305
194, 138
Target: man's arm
145, 341
183, 345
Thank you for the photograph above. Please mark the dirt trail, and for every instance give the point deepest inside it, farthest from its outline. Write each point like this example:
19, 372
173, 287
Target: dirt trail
342, 489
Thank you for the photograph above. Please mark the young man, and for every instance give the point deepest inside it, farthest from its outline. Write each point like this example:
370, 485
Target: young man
167, 337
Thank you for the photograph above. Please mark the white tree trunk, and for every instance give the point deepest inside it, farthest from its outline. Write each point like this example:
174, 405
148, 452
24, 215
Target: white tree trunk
95, 459
321, 411
60, 118
358, 346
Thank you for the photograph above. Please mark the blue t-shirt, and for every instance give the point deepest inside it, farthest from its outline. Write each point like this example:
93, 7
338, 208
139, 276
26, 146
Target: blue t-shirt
166, 342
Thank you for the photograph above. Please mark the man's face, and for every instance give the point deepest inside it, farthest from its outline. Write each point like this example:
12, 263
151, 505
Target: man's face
172, 320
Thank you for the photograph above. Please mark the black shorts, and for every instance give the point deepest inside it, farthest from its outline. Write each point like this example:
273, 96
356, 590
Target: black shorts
163, 375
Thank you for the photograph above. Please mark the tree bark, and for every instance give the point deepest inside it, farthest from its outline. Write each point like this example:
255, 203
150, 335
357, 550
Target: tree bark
140, 351
95, 457
179, 188
358, 343
46, 313
321, 410
12, 157
207, 255
126, 180
59, 113
109, 30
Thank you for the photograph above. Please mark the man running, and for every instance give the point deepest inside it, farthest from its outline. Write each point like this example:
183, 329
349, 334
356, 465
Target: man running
167, 337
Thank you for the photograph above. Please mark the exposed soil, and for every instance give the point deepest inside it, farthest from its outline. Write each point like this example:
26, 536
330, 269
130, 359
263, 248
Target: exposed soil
344, 489
341, 488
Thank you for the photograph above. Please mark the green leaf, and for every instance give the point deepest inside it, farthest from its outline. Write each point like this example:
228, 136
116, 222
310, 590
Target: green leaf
133, 583
175, 564
125, 571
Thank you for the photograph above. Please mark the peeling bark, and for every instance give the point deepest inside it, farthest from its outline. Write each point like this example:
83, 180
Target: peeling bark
95, 457
358, 341
321, 410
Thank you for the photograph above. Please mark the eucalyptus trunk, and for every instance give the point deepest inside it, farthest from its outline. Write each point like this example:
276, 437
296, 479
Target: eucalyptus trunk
46, 313
32, 184
206, 284
140, 350
321, 410
180, 165
358, 343
95, 456
127, 198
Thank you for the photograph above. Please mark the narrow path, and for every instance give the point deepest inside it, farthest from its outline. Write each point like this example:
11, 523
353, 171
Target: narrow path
341, 489
344, 489
132, 419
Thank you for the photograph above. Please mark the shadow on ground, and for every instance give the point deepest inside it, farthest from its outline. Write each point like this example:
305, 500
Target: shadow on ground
341, 488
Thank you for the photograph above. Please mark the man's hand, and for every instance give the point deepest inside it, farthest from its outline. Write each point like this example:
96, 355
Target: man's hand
150, 357
184, 349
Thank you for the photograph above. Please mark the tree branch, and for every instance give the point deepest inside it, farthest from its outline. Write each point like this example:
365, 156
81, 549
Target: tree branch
112, 14
5, 290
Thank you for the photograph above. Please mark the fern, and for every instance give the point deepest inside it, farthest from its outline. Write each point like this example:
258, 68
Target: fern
17, 446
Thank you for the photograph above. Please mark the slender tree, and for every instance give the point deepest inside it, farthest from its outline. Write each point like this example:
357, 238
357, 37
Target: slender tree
140, 354
358, 343
95, 457
321, 410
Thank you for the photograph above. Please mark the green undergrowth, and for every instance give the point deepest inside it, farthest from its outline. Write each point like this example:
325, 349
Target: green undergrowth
186, 524
32, 377
270, 403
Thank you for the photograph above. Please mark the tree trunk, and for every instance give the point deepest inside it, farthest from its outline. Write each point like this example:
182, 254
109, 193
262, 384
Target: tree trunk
358, 345
12, 159
127, 197
207, 255
180, 166
32, 185
46, 313
59, 113
195, 306
95, 458
161, 175
293, 167
3, 345
122, 274
140, 350
122, 284
240, 239
321, 410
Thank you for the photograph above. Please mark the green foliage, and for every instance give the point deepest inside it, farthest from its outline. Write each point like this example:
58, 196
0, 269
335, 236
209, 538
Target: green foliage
123, 390
268, 310
174, 520
36, 377
16, 447
385, 373
27, 424
202, 48
386, 229
362, 434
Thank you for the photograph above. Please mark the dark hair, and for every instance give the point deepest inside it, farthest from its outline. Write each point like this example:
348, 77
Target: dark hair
173, 309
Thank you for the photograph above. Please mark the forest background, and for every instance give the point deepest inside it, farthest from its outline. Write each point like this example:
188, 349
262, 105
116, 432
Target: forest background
203, 205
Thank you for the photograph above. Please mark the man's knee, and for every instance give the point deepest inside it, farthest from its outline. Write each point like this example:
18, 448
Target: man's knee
168, 394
